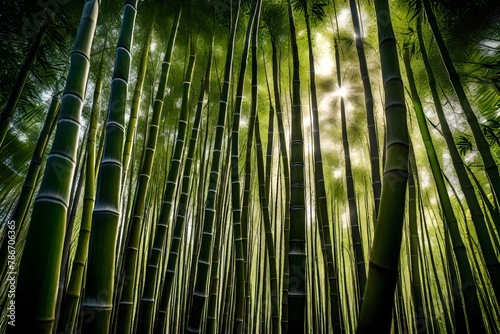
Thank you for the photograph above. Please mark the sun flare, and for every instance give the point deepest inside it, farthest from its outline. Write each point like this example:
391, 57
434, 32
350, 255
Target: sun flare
342, 92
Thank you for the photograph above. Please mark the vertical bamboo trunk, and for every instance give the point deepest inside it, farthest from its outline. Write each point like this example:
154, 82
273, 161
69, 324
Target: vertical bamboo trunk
136, 100
416, 285
100, 278
246, 208
483, 147
223, 208
286, 182
377, 307
39, 272
476, 211
9, 108
32, 177
370, 117
351, 193
319, 180
125, 311
494, 213
270, 137
149, 295
297, 253
477, 214
145, 322
200, 293
240, 231
269, 241
71, 298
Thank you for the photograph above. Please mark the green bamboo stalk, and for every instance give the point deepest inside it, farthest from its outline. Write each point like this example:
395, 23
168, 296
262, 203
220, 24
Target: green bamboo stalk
225, 281
100, 279
136, 99
200, 294
263, 188
495, 215
286, 177
149, 293
223, 207
246, 207
370, 117
377, 306
270, 136
39, 272
455, 298
9, 108
463, 178
71, 298
32, 177
126, 306
416, 285
483, 147
204, 176
84, 170
351, 193
296, 254
228, 293
146, 316
240, 229
471, 301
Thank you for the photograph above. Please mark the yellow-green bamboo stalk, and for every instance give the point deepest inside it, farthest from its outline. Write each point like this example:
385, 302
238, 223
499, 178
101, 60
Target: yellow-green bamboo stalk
32, 177
10, 106
468, 285
483, 147
203, 266
240, 229
100, 280
39, 272
71, 299
376, 310
127, 301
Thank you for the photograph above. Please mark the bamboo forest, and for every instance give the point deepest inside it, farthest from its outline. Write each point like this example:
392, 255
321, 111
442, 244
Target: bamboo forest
250, 166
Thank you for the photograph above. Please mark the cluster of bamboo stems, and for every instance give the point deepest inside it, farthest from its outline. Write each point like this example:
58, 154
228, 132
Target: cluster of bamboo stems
184, 241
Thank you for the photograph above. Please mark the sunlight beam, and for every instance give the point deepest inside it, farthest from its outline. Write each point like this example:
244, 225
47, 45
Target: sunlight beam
342, 92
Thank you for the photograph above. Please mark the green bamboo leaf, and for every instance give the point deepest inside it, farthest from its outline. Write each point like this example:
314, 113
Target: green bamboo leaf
464, 144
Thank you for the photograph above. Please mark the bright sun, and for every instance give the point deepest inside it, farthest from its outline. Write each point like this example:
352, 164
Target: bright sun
342, 91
